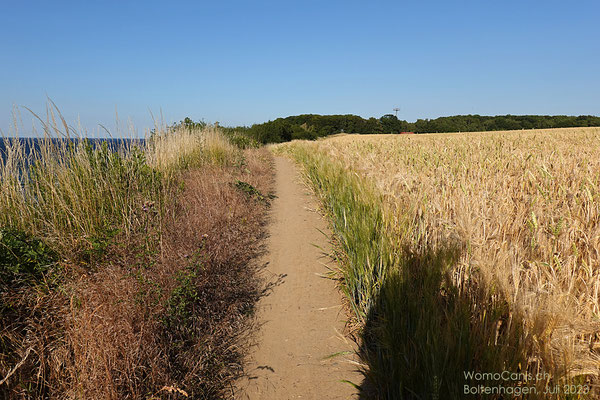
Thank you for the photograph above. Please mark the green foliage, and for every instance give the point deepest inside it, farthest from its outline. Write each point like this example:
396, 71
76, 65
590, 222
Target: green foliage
23, 259
179, 305
191, 125
312, 126
391, 124
476, 123
242, 141
251, 191
97, 246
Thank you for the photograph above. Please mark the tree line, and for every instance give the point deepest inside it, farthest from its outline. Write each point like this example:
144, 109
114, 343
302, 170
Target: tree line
312, 126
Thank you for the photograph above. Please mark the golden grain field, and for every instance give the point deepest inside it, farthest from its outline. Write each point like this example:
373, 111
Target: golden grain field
525, 207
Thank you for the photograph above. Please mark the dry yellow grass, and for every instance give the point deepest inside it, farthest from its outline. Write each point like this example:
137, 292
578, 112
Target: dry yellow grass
174, 147
525, 204
100, 258
75, 189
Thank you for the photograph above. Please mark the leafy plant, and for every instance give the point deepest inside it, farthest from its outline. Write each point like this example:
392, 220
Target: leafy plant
251, 191
179, 305
23, 259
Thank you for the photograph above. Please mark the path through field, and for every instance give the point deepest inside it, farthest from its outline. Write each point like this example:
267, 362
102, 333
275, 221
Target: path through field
302, 318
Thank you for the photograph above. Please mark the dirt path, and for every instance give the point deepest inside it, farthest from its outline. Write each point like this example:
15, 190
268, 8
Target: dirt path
302, 318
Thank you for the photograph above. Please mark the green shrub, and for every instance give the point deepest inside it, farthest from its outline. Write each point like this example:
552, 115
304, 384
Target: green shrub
243, 142
23, 259
251, 191
179, 306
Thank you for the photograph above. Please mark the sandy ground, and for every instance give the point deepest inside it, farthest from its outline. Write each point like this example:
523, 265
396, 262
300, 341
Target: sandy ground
302, 317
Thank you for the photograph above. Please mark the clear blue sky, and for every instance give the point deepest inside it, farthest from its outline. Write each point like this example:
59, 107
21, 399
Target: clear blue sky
242, 62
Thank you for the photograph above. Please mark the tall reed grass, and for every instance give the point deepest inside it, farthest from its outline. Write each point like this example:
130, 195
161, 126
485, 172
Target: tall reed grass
70, 191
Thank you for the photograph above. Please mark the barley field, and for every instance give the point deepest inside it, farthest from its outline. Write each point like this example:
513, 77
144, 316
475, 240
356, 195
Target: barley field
485, 256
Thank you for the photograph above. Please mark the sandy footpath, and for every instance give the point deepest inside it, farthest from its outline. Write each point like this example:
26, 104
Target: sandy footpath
302, 317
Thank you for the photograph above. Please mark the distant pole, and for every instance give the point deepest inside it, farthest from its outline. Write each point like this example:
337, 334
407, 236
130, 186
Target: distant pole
396, 111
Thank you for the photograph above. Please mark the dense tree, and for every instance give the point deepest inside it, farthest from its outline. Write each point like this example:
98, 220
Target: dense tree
312, 126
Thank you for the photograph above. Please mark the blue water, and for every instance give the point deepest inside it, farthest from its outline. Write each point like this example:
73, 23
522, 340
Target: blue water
33, 143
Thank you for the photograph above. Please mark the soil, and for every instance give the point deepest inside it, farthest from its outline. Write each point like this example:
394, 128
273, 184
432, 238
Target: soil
301, 351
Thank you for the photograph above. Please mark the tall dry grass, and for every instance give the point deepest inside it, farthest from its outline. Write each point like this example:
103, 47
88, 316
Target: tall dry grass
71, 192
147, 326
519, 212
91, 268
183, 147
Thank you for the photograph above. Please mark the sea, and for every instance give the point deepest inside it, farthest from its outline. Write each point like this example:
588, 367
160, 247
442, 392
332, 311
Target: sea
30, 144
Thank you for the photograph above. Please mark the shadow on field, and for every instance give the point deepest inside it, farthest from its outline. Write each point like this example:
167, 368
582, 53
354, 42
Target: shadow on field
424, 333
